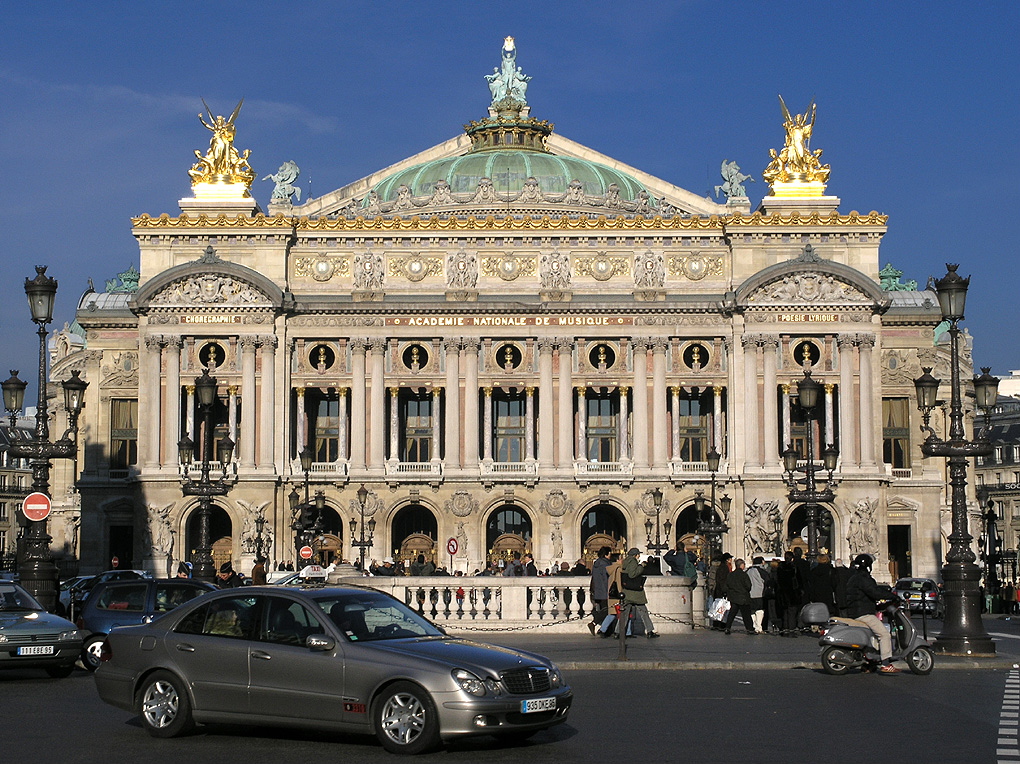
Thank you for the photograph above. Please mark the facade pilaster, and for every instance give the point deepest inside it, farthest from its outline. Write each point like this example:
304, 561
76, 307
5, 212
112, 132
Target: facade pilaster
377, 427
545, 404
787, 418
622, 429
719, 443
470, 351
674, 401
358, 401
566, 393
149, 401
437, 425
343, 425
172, 424
641, 403
453, 424
302, 421
769, 407
267, 420
487, 430
249, 344
865, 342
752, 429
829, 388
394, 423
847, 420
529, 424
582, 426
659, 403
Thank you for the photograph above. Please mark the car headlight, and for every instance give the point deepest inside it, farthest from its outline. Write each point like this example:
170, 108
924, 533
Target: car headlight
469, 682
68, 635
3, 638
554, 677
492, 685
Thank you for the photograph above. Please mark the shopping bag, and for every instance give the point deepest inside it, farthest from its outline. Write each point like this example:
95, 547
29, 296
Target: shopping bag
719, 609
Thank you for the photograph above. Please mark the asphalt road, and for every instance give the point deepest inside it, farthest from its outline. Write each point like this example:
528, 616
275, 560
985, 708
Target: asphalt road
633, 716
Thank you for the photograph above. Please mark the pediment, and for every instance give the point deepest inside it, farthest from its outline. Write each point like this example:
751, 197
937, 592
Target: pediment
807, 289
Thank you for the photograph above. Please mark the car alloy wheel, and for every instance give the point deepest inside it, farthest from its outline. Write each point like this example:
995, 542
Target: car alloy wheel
163, 705
405, 719
91, 651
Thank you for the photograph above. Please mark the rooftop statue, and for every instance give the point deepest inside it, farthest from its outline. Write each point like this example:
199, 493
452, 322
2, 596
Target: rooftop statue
734, 179
284, 179
221, 163
796, 163
508, 84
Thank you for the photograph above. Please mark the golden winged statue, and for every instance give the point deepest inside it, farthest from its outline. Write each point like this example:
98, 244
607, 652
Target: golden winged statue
222, 163
796, 163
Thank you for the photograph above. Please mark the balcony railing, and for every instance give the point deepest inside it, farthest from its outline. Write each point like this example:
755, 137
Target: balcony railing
508, 469
606, 470
901, 473
413, 470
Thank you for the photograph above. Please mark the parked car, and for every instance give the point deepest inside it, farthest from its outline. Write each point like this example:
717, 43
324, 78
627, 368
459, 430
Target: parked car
69, 590
346, 658
921, 594
32, 638
126, 603
81, 594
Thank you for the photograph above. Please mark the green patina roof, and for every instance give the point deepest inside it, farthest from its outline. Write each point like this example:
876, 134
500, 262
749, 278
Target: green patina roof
553, 174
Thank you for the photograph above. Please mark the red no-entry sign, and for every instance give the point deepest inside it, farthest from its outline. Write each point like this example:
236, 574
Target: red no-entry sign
37, 506
306, 553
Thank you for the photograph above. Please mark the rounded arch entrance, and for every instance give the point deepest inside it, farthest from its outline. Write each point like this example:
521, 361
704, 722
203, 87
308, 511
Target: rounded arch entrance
687, 530
414, 531
602, 525
329, 541
796, 529
507, 530
221, 538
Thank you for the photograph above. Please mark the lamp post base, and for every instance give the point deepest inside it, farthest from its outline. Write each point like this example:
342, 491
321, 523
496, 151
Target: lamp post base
41, 579
963, 632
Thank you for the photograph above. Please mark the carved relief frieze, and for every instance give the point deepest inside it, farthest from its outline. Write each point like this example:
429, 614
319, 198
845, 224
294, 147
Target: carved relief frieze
809, 288
602, 267
899, 367
210, 289
462, 270
121, 371
415, 267
320, 267
336, 321
649, 270
508, 267
695, 266
554, 270
368, 271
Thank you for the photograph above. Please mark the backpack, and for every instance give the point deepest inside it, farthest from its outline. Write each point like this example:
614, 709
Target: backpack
518, 568
632, 583
690, 570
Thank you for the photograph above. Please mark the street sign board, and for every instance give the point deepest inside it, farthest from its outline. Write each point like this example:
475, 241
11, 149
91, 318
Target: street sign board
451, 546
306, 553
36, 506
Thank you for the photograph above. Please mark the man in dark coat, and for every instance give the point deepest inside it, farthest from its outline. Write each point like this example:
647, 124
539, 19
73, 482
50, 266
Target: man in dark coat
862, 595
227, 578
822, 583
788, 595
718, 589
738, 592
599, 589
841, 575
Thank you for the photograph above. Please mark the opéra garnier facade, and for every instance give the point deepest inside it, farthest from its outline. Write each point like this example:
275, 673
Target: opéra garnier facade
510, 340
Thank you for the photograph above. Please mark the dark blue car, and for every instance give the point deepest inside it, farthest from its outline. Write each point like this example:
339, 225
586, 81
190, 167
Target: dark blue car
128, 603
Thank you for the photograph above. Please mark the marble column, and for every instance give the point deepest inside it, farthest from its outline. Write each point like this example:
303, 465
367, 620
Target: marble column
377, 390
452, 453
659, 348
752, 428
847, 451
674, 401
470, 351
341, 449
787, 418
267, 420
358, 414
622, 429
436, 423
190, 413
232, 412
865, 342
487, 429
566, 393
582, 426
172, 424
828, 415
719, 442
149, 404
302, 422
545, 404
394, 423
529, 424
640, 403
769, 405
249, 345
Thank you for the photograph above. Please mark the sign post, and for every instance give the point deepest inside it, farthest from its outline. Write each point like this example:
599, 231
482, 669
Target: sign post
452, 547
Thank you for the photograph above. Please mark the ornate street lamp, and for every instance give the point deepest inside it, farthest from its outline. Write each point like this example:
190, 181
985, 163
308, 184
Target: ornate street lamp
35, 565
660, 545
806, 491
362, 542
709, 524
962, 630
204, 488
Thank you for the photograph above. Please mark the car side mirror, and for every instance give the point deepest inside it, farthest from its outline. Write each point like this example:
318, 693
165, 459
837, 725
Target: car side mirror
319, 643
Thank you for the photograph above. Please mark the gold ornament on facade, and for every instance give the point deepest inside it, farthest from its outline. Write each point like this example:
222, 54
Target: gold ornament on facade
796, 171
508, 267
321, 268
695, 266
415, 267
222, 164
602, 267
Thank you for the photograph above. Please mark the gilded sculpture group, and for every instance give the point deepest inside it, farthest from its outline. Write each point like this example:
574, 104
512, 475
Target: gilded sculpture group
796, 162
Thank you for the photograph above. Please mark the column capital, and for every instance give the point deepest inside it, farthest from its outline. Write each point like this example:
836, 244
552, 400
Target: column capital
437, 390
581, 390
268, 341
300, 392
674, 390
565, 344
377, 345
829, 387
394, 392
470, 345
717, 389
451, 346
154, 341
232, 389
529, 391
769, 340
488, 391
190, 389
846, 340
342, 392
546, 345
866, 340
248, 342
358, 345
750, 341
623, 389
786, 388
174, 341
660, 345
640, 344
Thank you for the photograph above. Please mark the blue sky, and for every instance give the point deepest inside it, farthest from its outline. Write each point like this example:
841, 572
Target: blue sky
918, 112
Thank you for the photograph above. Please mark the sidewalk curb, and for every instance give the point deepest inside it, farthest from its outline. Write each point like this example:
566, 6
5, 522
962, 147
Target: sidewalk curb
653, 665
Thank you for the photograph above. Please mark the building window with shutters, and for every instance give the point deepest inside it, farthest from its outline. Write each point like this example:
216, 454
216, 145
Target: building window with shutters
327, 429
896, 432
510, 413
416, 416
602, 409
123, 435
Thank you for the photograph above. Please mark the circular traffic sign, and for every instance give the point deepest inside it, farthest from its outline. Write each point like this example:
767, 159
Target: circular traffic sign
452, 546
37, 506
306, 553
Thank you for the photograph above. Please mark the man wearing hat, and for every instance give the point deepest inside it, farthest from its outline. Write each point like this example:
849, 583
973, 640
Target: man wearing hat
227, 578
633, 579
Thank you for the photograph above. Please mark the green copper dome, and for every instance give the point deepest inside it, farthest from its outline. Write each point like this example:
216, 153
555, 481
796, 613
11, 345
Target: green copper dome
508, 170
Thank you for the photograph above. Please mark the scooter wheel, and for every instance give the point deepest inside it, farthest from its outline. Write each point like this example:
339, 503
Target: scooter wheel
836, 661
921, 661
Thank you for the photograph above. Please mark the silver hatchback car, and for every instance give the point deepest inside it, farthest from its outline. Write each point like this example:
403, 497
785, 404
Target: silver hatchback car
352, 659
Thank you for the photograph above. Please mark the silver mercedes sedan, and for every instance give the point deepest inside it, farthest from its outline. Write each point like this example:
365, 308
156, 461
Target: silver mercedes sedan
350, 659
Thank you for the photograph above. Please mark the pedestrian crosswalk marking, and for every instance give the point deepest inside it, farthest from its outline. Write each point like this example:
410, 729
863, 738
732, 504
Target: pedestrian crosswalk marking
1009, 716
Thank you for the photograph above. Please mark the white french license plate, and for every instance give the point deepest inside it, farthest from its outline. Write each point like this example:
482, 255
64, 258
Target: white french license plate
36, 650
538, 704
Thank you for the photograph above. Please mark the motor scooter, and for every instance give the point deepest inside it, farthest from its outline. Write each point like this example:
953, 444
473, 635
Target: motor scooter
848, 644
